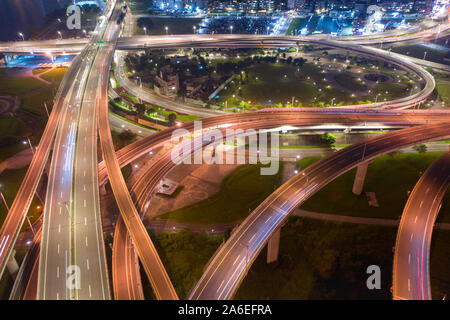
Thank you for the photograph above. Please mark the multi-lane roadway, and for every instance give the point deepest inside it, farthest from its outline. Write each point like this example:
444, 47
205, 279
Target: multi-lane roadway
411, 272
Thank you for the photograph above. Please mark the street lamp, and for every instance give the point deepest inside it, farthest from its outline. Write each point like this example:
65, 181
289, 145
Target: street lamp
231, 29
424, 55
145, 30
60, 35
376, 97
194, 27
85, 33
268, 28
29, 143
21, 34
167, 30
332, 101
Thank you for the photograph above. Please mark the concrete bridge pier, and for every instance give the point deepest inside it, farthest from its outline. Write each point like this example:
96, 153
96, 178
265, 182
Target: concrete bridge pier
360, 176
12, 265
102, 188
273, 246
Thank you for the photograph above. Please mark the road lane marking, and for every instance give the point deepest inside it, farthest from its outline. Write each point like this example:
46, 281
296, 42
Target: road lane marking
90, 292
57, 272
59, 228
87, 263
415, 219
86, 242
221, 284
84, 202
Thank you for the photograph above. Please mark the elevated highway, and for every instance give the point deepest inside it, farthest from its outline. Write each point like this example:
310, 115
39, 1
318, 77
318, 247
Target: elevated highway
411, 271
232, 261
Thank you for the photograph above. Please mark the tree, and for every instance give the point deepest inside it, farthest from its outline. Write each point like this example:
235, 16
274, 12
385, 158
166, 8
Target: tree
171, 119
140, 108
420, 148
118, 100
327, 138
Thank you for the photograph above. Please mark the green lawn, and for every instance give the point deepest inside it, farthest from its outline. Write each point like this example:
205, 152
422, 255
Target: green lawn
267, 85
443, 89
12, 127
242, 190
33, 104
184, 256
56, 75
389, 176
17, 86
274, 83
349, 82
418, 51
10, 181
39, 70
328, 260
175, 26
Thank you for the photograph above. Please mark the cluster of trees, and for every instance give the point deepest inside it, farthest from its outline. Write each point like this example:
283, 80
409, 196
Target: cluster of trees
327, 138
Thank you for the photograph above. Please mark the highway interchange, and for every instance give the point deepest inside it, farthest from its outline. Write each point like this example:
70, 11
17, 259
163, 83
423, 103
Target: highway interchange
74, 170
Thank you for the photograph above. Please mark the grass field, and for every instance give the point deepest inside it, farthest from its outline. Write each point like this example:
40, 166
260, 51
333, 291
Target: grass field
10, 181
17, 86
268, 85
275, 83
184, 255
175, 26
56, 75
389, 176
39, 70
13, 127
349, 82
418, 51
443, 89
241, 191
328, 260
33, 104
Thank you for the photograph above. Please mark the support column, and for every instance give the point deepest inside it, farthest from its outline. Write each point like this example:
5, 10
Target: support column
273, 246
359, 178
103, 189
12, 265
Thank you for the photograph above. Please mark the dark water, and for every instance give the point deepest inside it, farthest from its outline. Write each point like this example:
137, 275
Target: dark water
20, 16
